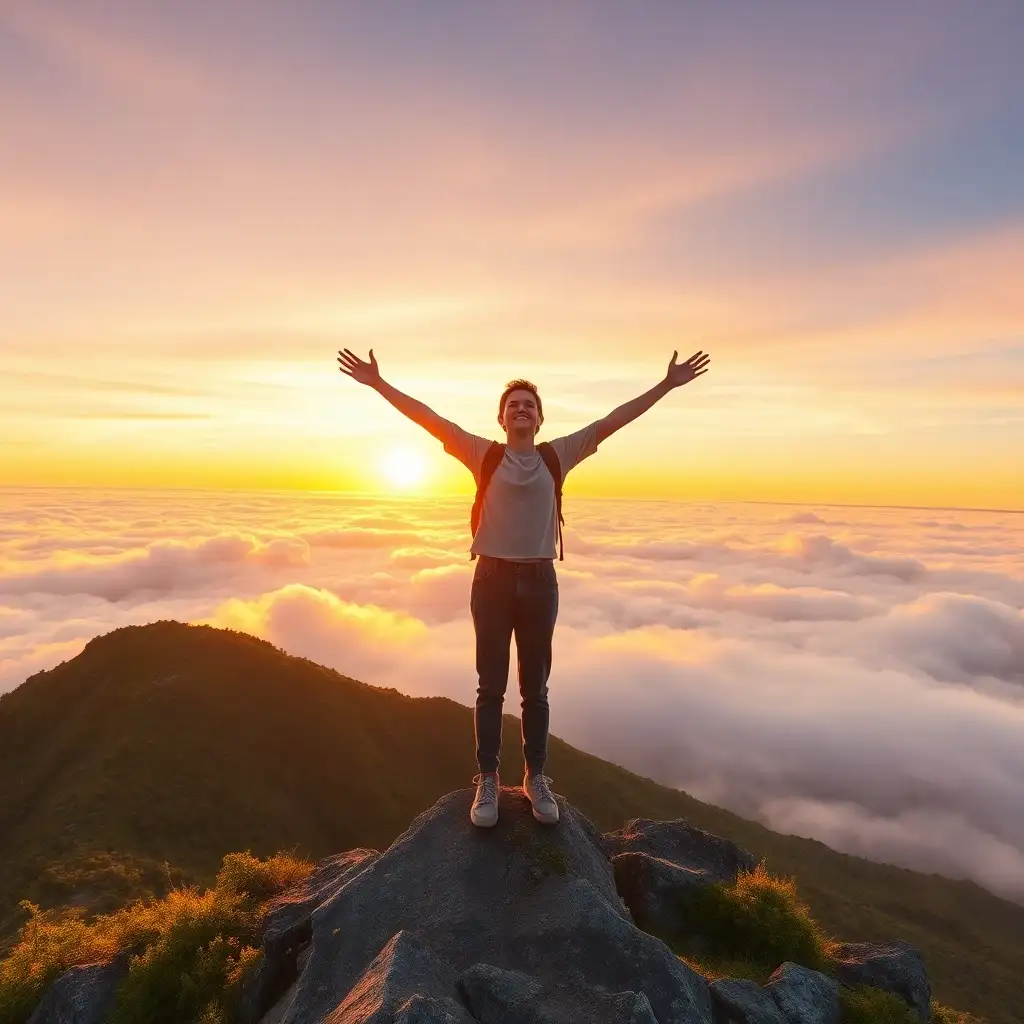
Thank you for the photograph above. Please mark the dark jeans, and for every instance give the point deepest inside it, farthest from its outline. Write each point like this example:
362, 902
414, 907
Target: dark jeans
521, 598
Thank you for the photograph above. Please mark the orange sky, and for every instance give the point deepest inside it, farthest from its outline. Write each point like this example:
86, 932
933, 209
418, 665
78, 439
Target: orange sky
196, 218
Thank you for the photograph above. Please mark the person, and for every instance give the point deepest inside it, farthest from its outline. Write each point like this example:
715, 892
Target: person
515, 585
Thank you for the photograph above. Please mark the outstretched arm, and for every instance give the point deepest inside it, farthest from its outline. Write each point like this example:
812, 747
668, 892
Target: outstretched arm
369, 374
675, 376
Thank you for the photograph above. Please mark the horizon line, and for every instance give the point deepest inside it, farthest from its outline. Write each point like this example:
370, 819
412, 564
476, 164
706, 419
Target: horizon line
386, 496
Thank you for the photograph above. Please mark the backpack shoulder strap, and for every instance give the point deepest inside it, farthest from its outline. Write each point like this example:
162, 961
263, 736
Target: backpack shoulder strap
550, 457
492, 460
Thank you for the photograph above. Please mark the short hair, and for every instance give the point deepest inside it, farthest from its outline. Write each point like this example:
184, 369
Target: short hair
520, 385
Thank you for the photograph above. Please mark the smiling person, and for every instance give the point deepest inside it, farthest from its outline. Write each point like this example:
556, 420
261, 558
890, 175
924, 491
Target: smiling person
515, 521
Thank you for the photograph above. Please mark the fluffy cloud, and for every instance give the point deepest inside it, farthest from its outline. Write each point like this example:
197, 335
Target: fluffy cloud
852, 675
163, 567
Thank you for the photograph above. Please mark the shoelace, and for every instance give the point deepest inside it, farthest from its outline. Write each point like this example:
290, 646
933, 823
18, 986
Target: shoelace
540, 787
490, 793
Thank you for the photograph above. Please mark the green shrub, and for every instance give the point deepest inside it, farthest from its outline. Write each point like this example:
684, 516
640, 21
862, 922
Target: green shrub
758, 919
187, 966
862, 1004
246, 875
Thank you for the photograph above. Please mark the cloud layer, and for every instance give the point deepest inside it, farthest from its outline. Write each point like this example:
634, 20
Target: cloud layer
855, 675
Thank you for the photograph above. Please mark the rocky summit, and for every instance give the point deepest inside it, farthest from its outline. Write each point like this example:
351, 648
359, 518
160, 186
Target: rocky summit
519, 924
522, 923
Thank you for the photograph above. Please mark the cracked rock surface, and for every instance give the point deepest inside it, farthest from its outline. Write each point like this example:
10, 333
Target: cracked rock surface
519, 923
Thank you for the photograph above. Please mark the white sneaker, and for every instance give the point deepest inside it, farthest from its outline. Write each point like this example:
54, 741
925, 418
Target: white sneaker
545, 810
484, 812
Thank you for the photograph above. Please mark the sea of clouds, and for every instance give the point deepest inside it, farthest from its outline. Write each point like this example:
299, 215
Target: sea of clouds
851, 674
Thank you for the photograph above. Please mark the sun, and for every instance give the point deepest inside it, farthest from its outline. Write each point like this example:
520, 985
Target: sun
404, 468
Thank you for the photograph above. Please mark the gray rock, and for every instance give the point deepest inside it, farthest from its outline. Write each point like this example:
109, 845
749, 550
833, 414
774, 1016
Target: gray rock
403, 970
428, 1010
287, 920
287, 928
495, 996
805, 996
655, 890
717, 859
630, 1008
82, 995
896, 967
276, 1013
520, 897
739, 1001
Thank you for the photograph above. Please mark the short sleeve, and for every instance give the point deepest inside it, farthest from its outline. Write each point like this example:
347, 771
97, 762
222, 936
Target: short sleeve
573, 448
468, 448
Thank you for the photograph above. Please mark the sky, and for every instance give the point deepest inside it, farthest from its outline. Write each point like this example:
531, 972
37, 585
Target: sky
855, 675
200, 204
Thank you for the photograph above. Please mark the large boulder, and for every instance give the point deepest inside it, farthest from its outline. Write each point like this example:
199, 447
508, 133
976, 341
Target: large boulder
805, 996
739, 1001
679, 842
896, 967
404, 973
518, 916
83, 994
509, 997
656, 890
287, 929
659, 865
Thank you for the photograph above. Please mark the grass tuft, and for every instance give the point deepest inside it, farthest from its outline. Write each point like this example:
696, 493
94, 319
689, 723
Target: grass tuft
758, 919
946, 1015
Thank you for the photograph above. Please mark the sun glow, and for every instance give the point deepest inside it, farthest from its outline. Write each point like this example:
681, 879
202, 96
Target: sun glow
403, 467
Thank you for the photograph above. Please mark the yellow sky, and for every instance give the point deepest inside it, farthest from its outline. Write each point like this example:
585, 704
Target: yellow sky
195, 220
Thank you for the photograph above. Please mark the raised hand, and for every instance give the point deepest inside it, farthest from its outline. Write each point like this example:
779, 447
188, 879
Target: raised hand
682, 373
365, 373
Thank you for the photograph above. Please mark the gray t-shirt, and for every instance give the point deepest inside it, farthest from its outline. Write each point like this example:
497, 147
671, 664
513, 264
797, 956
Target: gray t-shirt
519, 519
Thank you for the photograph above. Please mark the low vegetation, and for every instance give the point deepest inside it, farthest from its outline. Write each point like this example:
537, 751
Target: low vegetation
761, 918
189, 949
748, 928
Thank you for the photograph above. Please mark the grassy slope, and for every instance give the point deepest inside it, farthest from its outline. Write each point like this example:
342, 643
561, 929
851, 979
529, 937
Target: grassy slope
180, 744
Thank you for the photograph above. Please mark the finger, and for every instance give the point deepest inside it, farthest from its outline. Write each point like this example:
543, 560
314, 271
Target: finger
675, 355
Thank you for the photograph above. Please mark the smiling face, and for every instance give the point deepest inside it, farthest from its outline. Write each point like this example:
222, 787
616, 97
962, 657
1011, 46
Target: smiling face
521, 413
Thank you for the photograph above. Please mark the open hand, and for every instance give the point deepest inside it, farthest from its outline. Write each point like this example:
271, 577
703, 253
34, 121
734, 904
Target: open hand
682, 373
365, 373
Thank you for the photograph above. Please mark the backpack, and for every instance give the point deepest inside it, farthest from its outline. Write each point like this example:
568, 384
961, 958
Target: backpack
492, 459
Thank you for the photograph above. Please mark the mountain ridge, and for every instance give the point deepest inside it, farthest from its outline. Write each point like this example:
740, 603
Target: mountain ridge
175, 743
